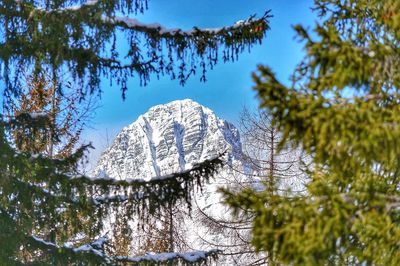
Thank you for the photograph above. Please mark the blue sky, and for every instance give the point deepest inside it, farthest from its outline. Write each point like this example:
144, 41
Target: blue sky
228, 86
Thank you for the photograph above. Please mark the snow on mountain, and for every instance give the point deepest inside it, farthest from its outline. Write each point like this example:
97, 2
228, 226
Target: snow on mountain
169, 138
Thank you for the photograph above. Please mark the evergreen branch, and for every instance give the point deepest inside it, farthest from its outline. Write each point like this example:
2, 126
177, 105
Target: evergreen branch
195, 257
89, 252
95, 252
389, 202
88, 3
166, 189
161, 31
76, 38
198, 170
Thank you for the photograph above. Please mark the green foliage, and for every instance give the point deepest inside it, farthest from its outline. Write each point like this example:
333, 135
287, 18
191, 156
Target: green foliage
342, 107
81, 38
45, 203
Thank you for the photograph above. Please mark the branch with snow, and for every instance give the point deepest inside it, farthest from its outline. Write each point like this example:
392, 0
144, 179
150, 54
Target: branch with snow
152, 48
141, 194
87, 3
194, 257
96, 250
134, 24
143, 197
159, 191
78, 7
89, 252
196, 168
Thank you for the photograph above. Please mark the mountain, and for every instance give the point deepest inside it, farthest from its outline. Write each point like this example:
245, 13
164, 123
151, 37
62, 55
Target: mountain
169, 138
173, 137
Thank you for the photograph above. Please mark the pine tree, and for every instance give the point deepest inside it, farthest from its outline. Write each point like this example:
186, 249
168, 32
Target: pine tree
342, 107
79, 39
66, 116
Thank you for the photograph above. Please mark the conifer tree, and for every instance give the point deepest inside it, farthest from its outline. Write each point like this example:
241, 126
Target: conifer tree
342, 107
79, 38
67, 113
46, 206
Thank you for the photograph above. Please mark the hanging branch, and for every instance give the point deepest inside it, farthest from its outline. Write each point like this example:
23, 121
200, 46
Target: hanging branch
82, 40
34, 186
95, 252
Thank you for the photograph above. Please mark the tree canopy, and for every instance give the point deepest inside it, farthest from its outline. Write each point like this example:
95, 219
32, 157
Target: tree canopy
83, 38
342, 107
46, 205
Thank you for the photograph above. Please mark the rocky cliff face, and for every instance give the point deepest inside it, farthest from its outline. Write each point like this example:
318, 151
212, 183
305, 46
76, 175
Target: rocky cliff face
169, 138
173, 137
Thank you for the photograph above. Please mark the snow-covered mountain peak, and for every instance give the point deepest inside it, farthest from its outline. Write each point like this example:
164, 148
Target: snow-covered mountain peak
169, 138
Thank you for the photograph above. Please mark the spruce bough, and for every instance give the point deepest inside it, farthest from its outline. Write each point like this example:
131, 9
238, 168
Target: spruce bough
342, 107
46, 206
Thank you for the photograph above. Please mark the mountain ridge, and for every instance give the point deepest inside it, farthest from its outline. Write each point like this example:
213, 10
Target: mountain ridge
169, 138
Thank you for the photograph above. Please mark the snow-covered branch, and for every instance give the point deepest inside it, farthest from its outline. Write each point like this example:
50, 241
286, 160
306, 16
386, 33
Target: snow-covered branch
77, 7
153, 49
185, 258
134, 24
96, 249
199, 168
166, 189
